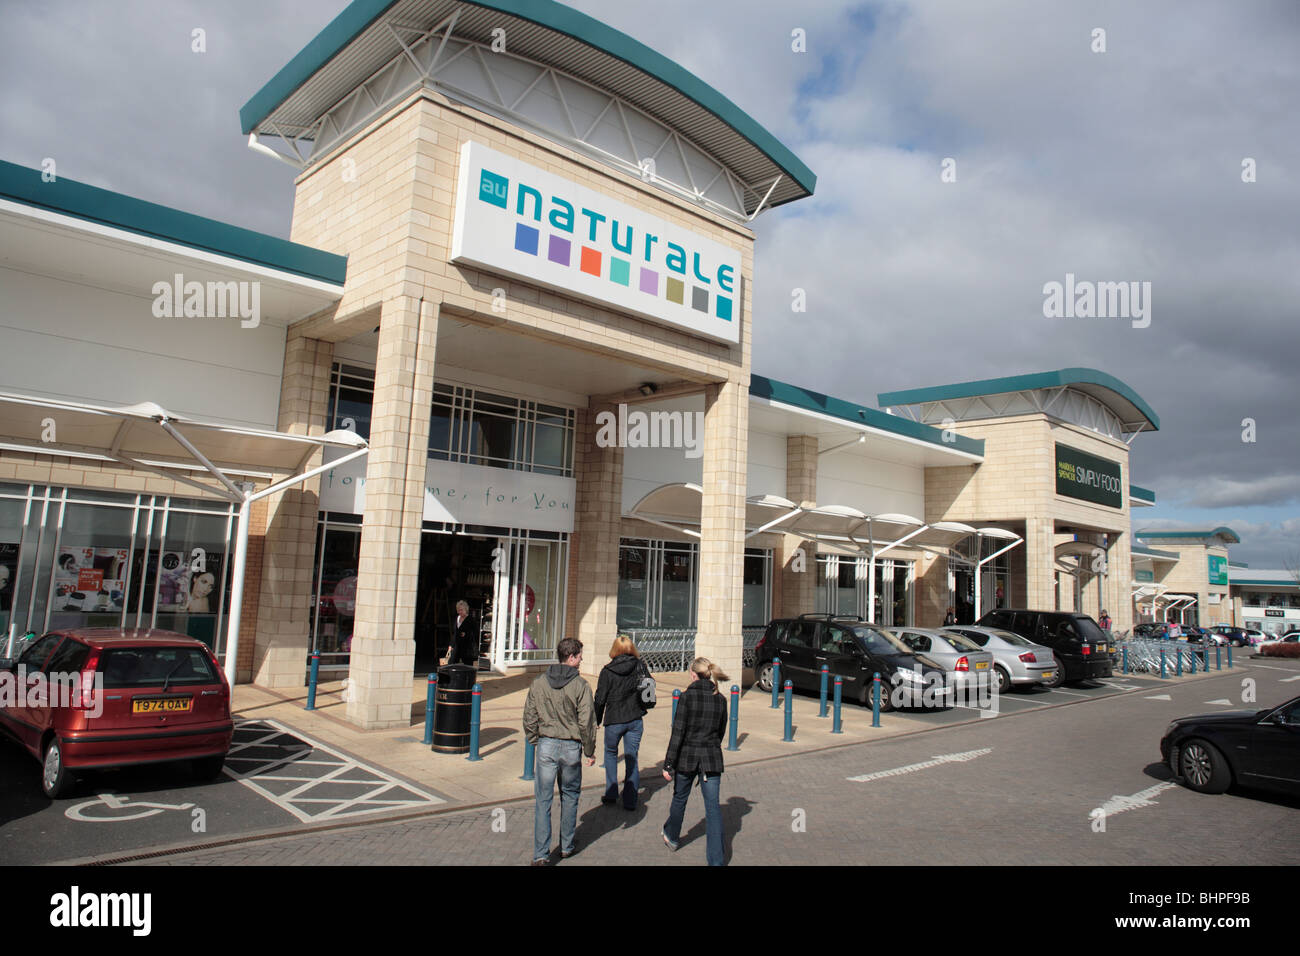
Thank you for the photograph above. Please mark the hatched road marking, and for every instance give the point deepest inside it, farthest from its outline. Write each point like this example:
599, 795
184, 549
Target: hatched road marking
311, 781
912, 768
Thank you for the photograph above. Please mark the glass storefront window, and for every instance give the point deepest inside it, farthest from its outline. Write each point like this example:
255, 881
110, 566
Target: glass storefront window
191, 586
677, 593
633, 565
758, 571
90, 567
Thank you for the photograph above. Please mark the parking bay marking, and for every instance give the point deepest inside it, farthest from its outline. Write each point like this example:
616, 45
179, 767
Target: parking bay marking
1287, 680
1159, 697
912, 768
1118, 804
113, 803
381, 791
1222, 700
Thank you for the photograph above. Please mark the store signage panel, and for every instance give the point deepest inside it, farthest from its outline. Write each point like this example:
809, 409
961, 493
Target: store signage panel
516, 219
466, 494
1218, 569
1270, 612
1088, 478
1144, 577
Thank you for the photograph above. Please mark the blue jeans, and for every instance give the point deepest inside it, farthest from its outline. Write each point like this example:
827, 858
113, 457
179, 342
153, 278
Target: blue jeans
682, 783
562, 758
630, 734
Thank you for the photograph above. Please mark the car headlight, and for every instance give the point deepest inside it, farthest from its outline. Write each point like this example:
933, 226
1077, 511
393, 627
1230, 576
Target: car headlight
911, 676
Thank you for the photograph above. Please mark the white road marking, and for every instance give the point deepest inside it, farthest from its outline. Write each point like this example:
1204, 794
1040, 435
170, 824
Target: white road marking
1272, 667
112, 802
1160, 697
1118, 804
380, 791
1287, 680
1068, 693
912, 768
1222, 700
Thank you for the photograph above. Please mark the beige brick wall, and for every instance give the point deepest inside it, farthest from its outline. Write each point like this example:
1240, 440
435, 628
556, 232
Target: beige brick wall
795, 592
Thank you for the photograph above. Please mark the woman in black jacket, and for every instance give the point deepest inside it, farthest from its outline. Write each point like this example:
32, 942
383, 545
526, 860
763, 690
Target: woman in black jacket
695, 750
620, 707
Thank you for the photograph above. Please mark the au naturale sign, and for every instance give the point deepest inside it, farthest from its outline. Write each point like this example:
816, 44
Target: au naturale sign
1088, 478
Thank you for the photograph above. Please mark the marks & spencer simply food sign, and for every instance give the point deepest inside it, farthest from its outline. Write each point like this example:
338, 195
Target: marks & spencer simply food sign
1087, 477
516, 219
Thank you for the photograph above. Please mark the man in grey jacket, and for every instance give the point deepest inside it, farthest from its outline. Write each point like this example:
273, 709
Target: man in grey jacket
560, 722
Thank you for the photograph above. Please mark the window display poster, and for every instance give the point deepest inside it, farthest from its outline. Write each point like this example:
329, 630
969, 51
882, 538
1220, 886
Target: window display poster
8, 574
189, 584
90, 579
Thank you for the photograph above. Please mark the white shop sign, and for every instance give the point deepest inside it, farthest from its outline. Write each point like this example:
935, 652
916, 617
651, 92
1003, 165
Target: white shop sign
466, 494
516, 219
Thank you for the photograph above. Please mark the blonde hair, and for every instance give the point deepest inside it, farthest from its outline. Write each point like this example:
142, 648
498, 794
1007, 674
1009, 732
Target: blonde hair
623, 645
707, 670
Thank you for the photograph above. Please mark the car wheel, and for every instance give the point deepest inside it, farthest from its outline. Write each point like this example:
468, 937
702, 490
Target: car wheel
886, 704
763, 677
207, 768
56, 780
1058, 674
1203, 768
1004, 680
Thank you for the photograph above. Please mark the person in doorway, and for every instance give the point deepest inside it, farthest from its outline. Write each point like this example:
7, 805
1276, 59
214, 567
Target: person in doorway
464, 643
620, 708
950, 618
695, 750
559, 720
1104, 621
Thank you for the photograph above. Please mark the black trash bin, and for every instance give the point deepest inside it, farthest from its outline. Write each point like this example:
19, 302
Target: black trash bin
452, 709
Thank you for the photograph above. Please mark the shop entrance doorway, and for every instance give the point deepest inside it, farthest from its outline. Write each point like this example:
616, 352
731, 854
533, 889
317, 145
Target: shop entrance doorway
453, 567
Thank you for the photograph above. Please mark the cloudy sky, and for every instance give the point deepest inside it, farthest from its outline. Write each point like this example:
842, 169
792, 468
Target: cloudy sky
1122, 165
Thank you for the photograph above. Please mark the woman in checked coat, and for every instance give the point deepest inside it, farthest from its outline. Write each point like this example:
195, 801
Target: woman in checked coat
695, 751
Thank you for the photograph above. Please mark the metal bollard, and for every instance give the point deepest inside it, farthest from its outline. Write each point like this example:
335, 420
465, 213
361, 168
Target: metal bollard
1194, 662
1124, 649
475, 706
1163, 675
677, 695
530, 757
430, 702
1229, 657
875, 700
776, 684
789, 712
315, 677
1178, 664
735, 718
826, 675
1218, 658
837, 724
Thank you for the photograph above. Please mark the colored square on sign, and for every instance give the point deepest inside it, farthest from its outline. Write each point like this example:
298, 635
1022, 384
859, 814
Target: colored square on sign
590, 261
620, 271
559, 250
700, 299
676, 291
526, 238
723, 305
493, 188
650, 281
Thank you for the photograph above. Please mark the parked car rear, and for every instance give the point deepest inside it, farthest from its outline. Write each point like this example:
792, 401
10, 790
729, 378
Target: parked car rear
1017, 662
1077, 642
142, 696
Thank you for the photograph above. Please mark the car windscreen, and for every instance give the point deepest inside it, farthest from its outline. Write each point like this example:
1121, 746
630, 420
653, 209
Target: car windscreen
877, 640
156, 667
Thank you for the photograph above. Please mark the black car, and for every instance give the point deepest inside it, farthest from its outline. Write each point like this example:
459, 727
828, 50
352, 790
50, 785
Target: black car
1256, 748
1081, 647
853, 650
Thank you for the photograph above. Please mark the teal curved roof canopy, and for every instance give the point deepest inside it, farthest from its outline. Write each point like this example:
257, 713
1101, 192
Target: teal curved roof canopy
358, 42
1132, 410
1227, 534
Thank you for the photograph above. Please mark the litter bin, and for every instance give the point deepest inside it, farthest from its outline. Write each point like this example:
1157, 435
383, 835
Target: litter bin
452, 709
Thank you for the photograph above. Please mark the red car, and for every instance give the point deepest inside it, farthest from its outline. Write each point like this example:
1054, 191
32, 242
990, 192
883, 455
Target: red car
93, 698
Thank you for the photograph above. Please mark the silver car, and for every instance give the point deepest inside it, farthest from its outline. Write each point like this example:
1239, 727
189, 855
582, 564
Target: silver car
1016, 661
962, 660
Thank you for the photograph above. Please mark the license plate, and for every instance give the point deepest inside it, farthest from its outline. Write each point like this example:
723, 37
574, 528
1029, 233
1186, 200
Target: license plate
1101, 648
981, 665
1048, 675
161, 705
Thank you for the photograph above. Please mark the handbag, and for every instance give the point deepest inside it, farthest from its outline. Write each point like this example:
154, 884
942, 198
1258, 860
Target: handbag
646, 688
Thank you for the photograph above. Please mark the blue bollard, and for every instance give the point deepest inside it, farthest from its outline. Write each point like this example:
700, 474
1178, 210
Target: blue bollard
1229, 657
430, 699
1178, 664
1218, 658
476, 704
875, 701
776, 684
1194, 662
826, 675
789, 713
1125, 649
315, 677
735, 718
837, 724
530, 755
1163, 675
677, 695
